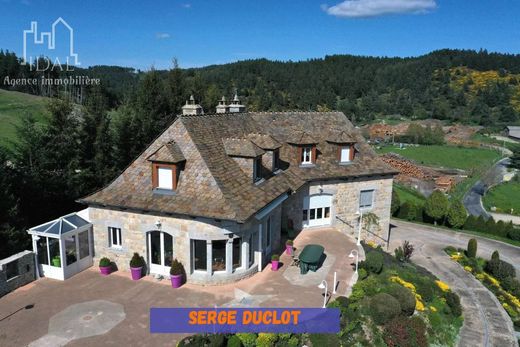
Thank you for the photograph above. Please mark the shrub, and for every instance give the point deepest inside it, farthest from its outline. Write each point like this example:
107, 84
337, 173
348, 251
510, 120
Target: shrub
453, 302
396, 203
425, 289
436, 206
362, 274
419, 213
450, 249
374, 262
342, 300
275, 257
500, 269
514, 234
405, 297
266, 340
399, 253
471, 223
289, 242
216, 340
104, 262
512, 285
407, 211
472, 248
234, 341
495, 255
247, 339
136, 261
405, 252
402, 332
176, 268
457, 214
383, 307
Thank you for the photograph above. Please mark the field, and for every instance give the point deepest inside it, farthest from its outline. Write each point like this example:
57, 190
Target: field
13, 105
448, 157
409, 195
504, 197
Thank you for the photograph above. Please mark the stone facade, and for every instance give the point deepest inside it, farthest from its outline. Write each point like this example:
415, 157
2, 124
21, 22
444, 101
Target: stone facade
16, 271
345, 204
135, 227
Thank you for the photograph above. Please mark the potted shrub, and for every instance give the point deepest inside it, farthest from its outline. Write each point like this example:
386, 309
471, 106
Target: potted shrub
275, 262
56, 261
289, 247
104, 266
136, 266
176, 274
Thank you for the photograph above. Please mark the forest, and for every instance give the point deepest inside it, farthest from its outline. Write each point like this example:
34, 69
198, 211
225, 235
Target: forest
91, 134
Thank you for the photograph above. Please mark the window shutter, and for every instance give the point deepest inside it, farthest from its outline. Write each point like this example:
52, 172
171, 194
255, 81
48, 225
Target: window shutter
109, 231
300, 153
154, 176
174, 177
352, 150
313, 159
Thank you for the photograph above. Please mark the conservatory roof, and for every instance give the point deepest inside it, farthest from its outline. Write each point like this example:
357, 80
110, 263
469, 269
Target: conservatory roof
60, 225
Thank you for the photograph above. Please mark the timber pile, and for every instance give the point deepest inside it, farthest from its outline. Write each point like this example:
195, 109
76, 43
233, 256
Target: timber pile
407, 167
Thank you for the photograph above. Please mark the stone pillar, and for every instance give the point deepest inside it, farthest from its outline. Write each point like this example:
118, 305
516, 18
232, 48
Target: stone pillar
209, 257
229, 256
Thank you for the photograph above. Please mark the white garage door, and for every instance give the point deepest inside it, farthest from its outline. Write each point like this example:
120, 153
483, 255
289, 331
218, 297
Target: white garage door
316, 210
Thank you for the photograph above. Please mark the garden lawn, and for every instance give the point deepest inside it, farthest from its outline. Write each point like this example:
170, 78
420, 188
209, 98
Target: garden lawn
409, 195
504, 197
448, 157
13, 105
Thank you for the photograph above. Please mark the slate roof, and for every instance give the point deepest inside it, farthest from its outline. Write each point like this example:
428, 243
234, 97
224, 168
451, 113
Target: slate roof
211, 183
241, 148
341, 136
263, 141
168, 153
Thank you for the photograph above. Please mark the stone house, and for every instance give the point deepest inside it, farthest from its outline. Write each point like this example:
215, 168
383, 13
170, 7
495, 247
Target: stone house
216, 190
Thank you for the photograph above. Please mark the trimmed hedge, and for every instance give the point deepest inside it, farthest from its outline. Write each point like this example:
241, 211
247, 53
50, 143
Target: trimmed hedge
405, 298
472, 248
374, 262
453, 302
383, 308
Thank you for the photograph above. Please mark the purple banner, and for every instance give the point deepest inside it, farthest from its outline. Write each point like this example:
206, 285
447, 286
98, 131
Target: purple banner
244, 320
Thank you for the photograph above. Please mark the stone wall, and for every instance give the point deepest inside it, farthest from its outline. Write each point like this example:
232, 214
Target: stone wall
345, 204
16, 271
134, 228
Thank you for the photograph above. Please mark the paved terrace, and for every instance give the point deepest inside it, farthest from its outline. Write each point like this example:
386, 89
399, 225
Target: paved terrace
89, 310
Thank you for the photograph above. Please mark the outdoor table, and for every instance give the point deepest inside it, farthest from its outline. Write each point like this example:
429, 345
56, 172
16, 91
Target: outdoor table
310, 258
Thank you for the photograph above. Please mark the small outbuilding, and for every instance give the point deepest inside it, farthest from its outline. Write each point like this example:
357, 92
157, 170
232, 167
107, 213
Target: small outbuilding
62, 247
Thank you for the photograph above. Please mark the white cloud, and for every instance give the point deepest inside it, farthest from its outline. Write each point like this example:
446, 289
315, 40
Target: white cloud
162, 36
373, 8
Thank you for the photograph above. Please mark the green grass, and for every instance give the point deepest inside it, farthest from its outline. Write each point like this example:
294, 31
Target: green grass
451, 157
492, 141
13, 105
409, 195
504, 197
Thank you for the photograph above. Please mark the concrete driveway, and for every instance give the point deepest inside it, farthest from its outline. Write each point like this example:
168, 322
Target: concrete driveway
485, 321
91, 310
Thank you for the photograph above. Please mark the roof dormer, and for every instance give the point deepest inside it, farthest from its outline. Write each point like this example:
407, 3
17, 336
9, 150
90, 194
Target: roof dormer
345, 146
306, 148
166, 162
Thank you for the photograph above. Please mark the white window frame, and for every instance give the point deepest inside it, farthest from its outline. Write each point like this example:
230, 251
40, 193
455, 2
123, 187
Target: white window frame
341, 158
364, 208
169, 184
305, 151
118, 243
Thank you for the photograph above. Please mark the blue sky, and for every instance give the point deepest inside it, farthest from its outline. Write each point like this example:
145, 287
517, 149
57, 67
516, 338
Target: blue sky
145, 33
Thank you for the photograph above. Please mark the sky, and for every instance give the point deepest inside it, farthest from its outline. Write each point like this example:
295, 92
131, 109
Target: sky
142, 34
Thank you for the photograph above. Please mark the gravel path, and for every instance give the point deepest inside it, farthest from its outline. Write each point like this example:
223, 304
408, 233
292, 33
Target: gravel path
485, 321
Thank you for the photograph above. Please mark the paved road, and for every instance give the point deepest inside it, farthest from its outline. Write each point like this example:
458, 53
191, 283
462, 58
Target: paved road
473, 199
485, 321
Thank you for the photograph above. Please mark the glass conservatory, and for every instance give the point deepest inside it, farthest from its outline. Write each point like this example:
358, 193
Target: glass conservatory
62, 247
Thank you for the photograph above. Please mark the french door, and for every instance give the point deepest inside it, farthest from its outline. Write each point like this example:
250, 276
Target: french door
160, 252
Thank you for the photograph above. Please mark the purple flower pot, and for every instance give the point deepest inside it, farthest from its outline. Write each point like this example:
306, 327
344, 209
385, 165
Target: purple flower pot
136, 272
105, 270
274, 265
176, 280
289, 249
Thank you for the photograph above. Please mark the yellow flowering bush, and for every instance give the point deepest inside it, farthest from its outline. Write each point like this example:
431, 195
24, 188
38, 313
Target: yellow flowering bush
371, 244
433, 309
402, 282
443, 286
468, 268
480, 276
513, 299
419, 306
456, 256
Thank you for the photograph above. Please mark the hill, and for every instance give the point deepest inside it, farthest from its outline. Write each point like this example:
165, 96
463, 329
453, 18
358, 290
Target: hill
13, 105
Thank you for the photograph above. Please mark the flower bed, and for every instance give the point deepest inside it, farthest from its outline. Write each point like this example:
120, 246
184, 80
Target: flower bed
477, 266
